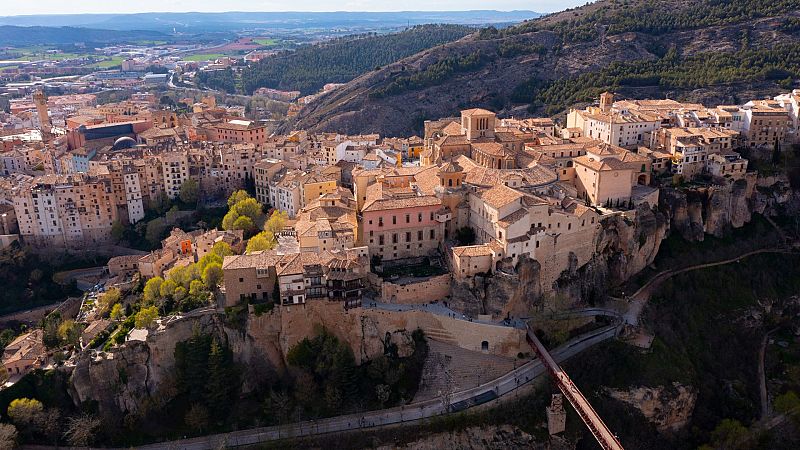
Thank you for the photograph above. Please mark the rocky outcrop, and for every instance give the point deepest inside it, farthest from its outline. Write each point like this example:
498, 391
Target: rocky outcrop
623, 248
716, 209
512, 290
667, 407
139, 374
491, 437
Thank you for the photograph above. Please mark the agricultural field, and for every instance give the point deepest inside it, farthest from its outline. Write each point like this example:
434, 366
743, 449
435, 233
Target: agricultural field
113, 62
203, 57
266, 42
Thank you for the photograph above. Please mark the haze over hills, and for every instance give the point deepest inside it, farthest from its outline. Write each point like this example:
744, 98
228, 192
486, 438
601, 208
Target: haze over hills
36, 35
710, 51
238, 21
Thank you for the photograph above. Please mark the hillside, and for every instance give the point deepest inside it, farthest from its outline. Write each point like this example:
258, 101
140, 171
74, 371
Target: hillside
19, 36
703, 50
310, 67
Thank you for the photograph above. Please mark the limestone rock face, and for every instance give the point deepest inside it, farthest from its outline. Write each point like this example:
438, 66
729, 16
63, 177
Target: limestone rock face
623, 248
668, 407
140, 371
716, 209
513, 290
140, 374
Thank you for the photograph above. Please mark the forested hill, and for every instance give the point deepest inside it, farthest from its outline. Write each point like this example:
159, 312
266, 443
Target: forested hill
310, 67
19, 36
702, 50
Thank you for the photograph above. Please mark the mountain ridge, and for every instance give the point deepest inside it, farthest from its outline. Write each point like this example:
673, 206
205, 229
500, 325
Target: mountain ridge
569, 57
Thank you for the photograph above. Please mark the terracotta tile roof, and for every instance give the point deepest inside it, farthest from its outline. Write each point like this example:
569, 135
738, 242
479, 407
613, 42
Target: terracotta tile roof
492, 149
607, 164
399, 203
296, 263
453, 129
472, 250
257, 260
474, 111
500, 196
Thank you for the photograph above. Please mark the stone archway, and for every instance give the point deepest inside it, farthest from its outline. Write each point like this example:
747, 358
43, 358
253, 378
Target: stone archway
642, 179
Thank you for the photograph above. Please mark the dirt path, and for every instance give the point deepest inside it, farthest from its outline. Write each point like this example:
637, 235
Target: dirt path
641, 296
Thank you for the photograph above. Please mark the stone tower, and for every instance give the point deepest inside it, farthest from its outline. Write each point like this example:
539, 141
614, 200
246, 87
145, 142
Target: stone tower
40, 99
556, 415
606, 100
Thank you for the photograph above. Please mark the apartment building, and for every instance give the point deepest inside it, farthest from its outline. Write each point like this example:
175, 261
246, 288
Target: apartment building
263, 172
239, 131
175, 167
616, 126
251, 276
65, 210
766, 123
791, 103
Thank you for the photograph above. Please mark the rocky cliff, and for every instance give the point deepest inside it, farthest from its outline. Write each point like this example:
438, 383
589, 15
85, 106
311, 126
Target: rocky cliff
141, 374
622, 248
667, 407
513, 291
716, 209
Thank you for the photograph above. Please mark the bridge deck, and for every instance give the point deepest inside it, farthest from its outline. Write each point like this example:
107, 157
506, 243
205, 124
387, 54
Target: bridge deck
604, 436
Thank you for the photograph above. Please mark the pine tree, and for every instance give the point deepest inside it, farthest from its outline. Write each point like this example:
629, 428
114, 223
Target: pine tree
222, 379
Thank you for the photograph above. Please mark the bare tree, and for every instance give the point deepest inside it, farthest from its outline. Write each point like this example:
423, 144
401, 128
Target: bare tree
81, 429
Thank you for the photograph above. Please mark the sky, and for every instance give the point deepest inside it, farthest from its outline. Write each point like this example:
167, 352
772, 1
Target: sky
14, 7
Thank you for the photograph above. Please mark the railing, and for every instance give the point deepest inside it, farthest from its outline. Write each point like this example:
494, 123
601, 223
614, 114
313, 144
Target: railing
600, 431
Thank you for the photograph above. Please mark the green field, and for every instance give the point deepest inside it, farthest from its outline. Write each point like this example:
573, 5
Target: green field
203, 57
115, 61
267, 42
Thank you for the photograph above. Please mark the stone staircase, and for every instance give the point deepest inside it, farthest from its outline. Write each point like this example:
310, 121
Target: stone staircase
450, 365
437, 333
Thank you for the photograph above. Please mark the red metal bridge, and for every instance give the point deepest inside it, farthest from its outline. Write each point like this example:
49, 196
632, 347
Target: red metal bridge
604, 436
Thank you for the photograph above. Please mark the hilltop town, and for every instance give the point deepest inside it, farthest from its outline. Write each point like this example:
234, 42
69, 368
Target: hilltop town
208, 219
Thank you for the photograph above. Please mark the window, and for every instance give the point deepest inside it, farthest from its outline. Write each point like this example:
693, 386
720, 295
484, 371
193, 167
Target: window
419, 217
394, 238
394, 220
408, 218
408, 236
380, 221
419, 235
380, 240
433, 234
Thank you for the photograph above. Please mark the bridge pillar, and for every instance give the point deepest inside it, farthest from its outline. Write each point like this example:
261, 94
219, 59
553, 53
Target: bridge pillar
556, 415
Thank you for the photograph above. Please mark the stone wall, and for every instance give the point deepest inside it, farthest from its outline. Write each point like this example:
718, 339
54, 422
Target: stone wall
417, 292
